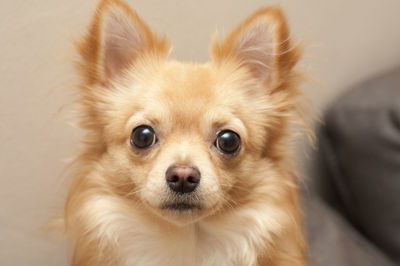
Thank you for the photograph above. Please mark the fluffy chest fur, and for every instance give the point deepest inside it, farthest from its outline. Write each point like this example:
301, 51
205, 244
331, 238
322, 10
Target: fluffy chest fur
142, 240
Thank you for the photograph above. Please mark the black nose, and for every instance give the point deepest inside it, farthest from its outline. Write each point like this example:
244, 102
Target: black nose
182, 179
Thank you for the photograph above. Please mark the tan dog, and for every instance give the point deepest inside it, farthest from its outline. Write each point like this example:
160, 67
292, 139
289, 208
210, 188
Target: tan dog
185, 164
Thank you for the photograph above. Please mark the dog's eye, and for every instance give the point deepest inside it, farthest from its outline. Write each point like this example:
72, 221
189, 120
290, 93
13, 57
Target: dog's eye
228, 142
143, 137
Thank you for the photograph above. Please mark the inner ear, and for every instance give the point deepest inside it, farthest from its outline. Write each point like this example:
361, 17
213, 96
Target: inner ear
123, 41
116, 39
255, 49
261, 44
125, 37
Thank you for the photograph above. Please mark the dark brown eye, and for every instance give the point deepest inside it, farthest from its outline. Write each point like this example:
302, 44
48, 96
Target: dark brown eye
143, 137
228, 142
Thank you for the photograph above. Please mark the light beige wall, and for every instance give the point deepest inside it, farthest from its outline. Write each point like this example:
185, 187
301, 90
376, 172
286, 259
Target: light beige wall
348, 40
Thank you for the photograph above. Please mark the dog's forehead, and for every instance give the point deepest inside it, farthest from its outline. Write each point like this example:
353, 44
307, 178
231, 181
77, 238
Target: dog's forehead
192, 94
187, 88
189, 81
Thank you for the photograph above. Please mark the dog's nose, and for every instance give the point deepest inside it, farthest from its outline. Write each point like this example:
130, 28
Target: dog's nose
182, 179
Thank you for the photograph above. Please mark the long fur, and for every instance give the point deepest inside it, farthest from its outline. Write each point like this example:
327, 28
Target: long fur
250, 85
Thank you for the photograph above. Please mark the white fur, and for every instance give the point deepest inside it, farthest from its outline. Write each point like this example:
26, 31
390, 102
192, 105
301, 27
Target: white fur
143, 241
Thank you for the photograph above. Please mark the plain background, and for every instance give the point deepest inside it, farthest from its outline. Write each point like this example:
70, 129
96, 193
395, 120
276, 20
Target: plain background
347, 41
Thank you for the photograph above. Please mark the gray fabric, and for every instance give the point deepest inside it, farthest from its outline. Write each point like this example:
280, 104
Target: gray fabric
334, 242
361, 144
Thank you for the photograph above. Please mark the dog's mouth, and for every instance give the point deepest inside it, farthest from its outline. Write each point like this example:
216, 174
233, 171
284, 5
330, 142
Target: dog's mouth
181, 206
182, 203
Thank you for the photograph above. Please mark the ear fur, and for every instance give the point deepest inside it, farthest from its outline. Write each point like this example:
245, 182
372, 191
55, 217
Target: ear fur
262, 44
116, 38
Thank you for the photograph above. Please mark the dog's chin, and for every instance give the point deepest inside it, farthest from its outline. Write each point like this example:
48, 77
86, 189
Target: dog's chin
182, 213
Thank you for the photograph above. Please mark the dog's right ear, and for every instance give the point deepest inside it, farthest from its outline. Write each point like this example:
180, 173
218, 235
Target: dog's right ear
116, 38
262, 45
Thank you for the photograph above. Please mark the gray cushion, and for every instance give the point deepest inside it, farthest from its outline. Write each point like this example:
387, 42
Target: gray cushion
361, 143
334, 242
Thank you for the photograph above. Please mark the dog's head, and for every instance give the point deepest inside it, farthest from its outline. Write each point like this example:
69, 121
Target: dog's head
182, 139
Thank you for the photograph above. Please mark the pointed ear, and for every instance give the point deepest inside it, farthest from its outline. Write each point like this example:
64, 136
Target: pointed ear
116, 38
262, 45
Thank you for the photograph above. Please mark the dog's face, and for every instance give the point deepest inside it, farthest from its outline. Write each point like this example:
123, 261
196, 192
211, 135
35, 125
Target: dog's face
184, 140
186, 137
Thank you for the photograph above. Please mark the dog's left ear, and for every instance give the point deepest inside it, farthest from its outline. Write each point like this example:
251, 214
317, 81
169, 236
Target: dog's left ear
262, 45
117, 38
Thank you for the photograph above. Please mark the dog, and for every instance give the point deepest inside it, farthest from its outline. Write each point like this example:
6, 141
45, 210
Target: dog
183, 163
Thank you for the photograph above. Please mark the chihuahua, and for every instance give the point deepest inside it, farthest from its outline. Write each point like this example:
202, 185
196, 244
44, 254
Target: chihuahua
185, 164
